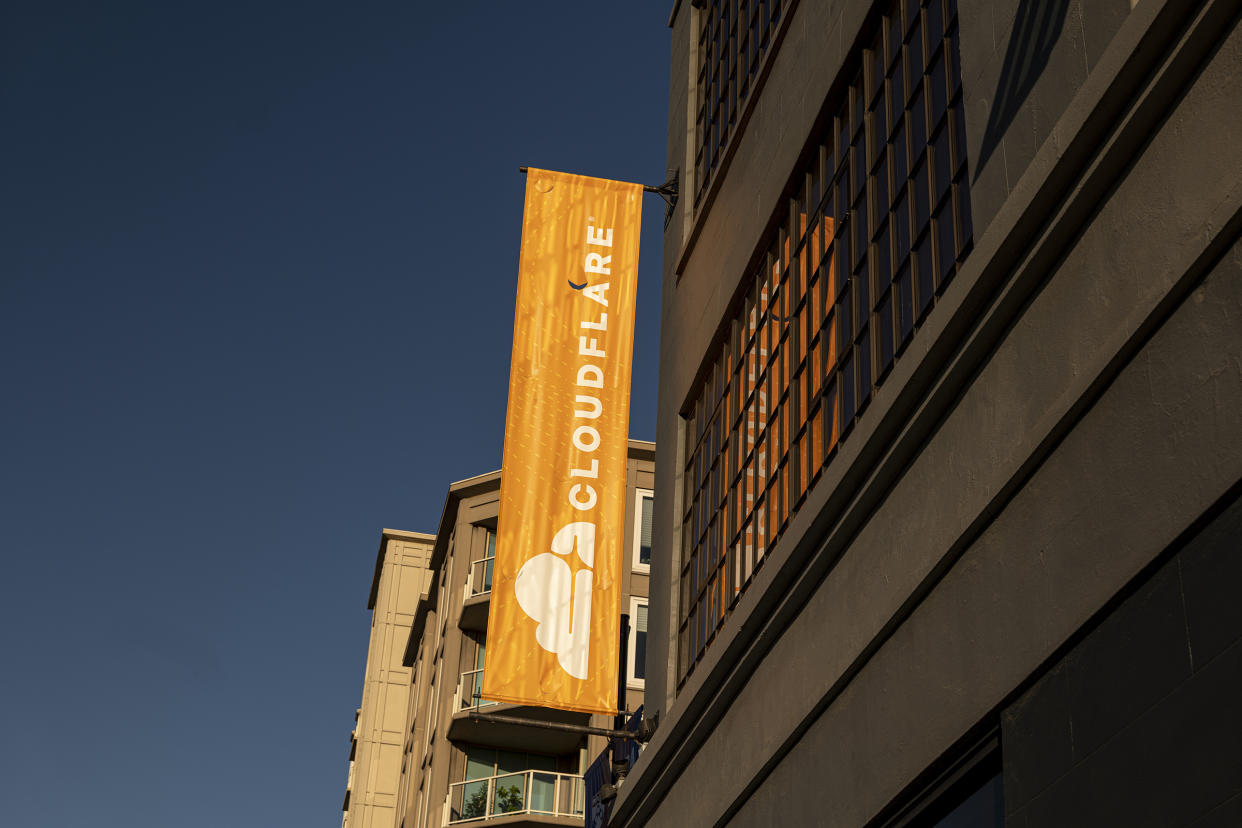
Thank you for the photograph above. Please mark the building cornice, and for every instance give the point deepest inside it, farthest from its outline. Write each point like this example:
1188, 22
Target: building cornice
385, 536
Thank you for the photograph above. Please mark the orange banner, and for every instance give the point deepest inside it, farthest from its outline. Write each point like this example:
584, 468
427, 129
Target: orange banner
554, 621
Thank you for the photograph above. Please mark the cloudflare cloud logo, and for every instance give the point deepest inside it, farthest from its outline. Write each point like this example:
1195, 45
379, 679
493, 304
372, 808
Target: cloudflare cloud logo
558, 600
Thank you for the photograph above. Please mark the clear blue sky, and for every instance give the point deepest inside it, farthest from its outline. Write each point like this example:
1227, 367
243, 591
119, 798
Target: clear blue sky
241, 248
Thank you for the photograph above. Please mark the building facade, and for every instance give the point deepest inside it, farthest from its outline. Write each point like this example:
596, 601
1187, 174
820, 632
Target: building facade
453, 769
950, 417
402, 577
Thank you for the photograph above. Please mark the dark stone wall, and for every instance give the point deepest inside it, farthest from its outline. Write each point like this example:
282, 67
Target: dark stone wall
1070, 406
1117, 490
1139, 724
1025, 62
1030, 55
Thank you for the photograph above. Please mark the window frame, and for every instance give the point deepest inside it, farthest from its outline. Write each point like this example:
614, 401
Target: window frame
636, 564
631, 644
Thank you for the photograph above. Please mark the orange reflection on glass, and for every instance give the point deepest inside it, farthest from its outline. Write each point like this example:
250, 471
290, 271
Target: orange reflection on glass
830, 341
813, 243
830, 271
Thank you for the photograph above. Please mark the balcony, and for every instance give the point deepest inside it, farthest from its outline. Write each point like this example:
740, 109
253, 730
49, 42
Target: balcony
468, 690
508, 735
530, 793
477, 594
481, 575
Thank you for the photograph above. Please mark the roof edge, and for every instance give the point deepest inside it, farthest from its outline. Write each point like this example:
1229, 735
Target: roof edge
385, 536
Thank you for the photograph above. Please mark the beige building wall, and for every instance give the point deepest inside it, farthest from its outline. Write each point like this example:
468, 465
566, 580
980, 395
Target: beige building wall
402, 578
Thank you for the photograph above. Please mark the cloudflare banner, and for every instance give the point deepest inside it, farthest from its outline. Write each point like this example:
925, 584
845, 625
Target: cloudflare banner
556, 593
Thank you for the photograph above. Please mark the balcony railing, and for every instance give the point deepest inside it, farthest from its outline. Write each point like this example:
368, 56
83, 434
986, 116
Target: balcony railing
468, 690
481, 576
528, 792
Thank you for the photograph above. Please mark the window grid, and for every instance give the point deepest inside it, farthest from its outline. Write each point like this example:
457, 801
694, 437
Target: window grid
877, 227
734, 39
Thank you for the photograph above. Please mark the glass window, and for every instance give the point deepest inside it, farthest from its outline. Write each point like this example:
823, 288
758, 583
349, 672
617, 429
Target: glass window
481, 573
637, 649
731, 54
480, 762
984, 808
643, 504
866, 290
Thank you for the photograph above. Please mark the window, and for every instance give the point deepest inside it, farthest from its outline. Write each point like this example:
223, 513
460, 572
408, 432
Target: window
877, 225
735, 40
643, 501
982, 807
968, 793
636, 656
482, 762
481, 569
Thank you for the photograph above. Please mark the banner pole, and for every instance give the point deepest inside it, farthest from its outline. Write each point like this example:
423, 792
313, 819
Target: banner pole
622, 708
641, 735
667, 190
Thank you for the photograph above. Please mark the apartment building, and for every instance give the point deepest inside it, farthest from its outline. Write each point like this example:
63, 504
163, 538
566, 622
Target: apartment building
950, 417
402, 577
453, 769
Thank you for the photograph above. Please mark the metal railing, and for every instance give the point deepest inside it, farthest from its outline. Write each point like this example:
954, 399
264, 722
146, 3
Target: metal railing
468, 690
527, 792
481, 576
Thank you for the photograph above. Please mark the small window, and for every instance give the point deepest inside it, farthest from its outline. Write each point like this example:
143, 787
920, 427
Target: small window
643, 499
636, 656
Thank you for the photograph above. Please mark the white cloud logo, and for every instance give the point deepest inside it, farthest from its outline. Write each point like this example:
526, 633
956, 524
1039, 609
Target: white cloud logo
558, 601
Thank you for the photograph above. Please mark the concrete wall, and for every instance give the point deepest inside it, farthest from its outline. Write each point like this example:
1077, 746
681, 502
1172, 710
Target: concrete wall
1022, 64
1068, 409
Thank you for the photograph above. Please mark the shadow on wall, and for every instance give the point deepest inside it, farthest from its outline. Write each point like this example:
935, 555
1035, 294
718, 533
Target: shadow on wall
1035, 31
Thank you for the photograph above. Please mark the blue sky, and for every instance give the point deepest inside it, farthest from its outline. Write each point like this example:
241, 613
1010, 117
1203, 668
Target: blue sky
257, 271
